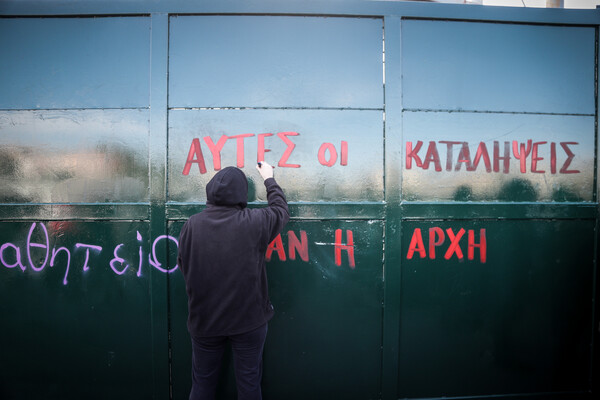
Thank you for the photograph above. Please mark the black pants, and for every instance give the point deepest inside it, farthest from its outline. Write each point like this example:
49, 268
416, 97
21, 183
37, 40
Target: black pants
207, 354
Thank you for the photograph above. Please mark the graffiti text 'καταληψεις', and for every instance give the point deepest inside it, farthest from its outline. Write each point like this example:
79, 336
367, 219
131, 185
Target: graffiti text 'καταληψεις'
501, 156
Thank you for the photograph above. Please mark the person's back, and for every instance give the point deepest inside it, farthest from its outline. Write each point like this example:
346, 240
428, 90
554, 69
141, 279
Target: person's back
222, 257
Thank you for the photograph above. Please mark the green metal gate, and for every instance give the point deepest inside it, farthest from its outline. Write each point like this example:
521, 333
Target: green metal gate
439, 160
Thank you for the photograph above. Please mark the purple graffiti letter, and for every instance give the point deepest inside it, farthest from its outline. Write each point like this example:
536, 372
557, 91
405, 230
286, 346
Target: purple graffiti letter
118, 259
17, 256
154, 262
41, 245
87, 252
54, 253
139, 238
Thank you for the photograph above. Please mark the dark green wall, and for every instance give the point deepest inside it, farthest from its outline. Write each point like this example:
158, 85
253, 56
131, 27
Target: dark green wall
439, 160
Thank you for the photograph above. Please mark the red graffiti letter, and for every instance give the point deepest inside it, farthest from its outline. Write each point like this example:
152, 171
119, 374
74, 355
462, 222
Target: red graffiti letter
332, 154
298, 245
349, 247
416, 244
482, 245
449, 156
277, 245
570, 156
521, 152
282, 162
454, 244
215, 149
535, 158
464, 157
505, 159
432, 242
410, 154
432, 155
260, 154
553, 158
195, 150
344, 153
481, 152
240, 147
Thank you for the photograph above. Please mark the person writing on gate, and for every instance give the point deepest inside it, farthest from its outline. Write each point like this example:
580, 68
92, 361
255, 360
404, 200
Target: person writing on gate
222, 258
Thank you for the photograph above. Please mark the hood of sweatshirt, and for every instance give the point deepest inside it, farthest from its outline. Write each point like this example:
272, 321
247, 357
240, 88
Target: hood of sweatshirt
229, 187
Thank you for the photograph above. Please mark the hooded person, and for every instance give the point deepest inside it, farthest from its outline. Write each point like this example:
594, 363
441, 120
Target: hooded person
222, 258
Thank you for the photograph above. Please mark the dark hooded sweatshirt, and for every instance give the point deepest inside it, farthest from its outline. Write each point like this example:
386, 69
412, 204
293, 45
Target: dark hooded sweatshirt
222, 256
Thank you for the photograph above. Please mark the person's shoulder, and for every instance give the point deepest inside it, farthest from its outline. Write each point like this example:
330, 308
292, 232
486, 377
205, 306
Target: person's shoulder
197, 215
194, 218
260, 212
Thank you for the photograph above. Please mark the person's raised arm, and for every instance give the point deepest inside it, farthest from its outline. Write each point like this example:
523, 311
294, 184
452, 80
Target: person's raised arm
278, 207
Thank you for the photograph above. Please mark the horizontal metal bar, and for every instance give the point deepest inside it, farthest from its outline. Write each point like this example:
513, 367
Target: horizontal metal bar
299, 211
440, 210
275, 108
350, 8
75, 211
312, 210
76, 109
492, 112
531, 396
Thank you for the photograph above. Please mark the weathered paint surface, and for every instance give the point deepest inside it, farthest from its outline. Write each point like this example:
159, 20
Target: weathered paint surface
440, 163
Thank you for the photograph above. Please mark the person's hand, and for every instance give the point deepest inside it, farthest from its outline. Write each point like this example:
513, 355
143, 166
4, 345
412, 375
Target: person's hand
265, 170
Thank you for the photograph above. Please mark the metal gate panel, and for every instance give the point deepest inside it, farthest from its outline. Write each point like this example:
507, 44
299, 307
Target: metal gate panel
60, 63
482, 157
76, 310
275, 61
74, 156
440, 161
321, 154
310, 340
495, 307
501, 67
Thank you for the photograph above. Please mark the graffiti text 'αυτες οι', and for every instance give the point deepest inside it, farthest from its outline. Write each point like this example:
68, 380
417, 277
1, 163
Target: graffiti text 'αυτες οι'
327, 154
